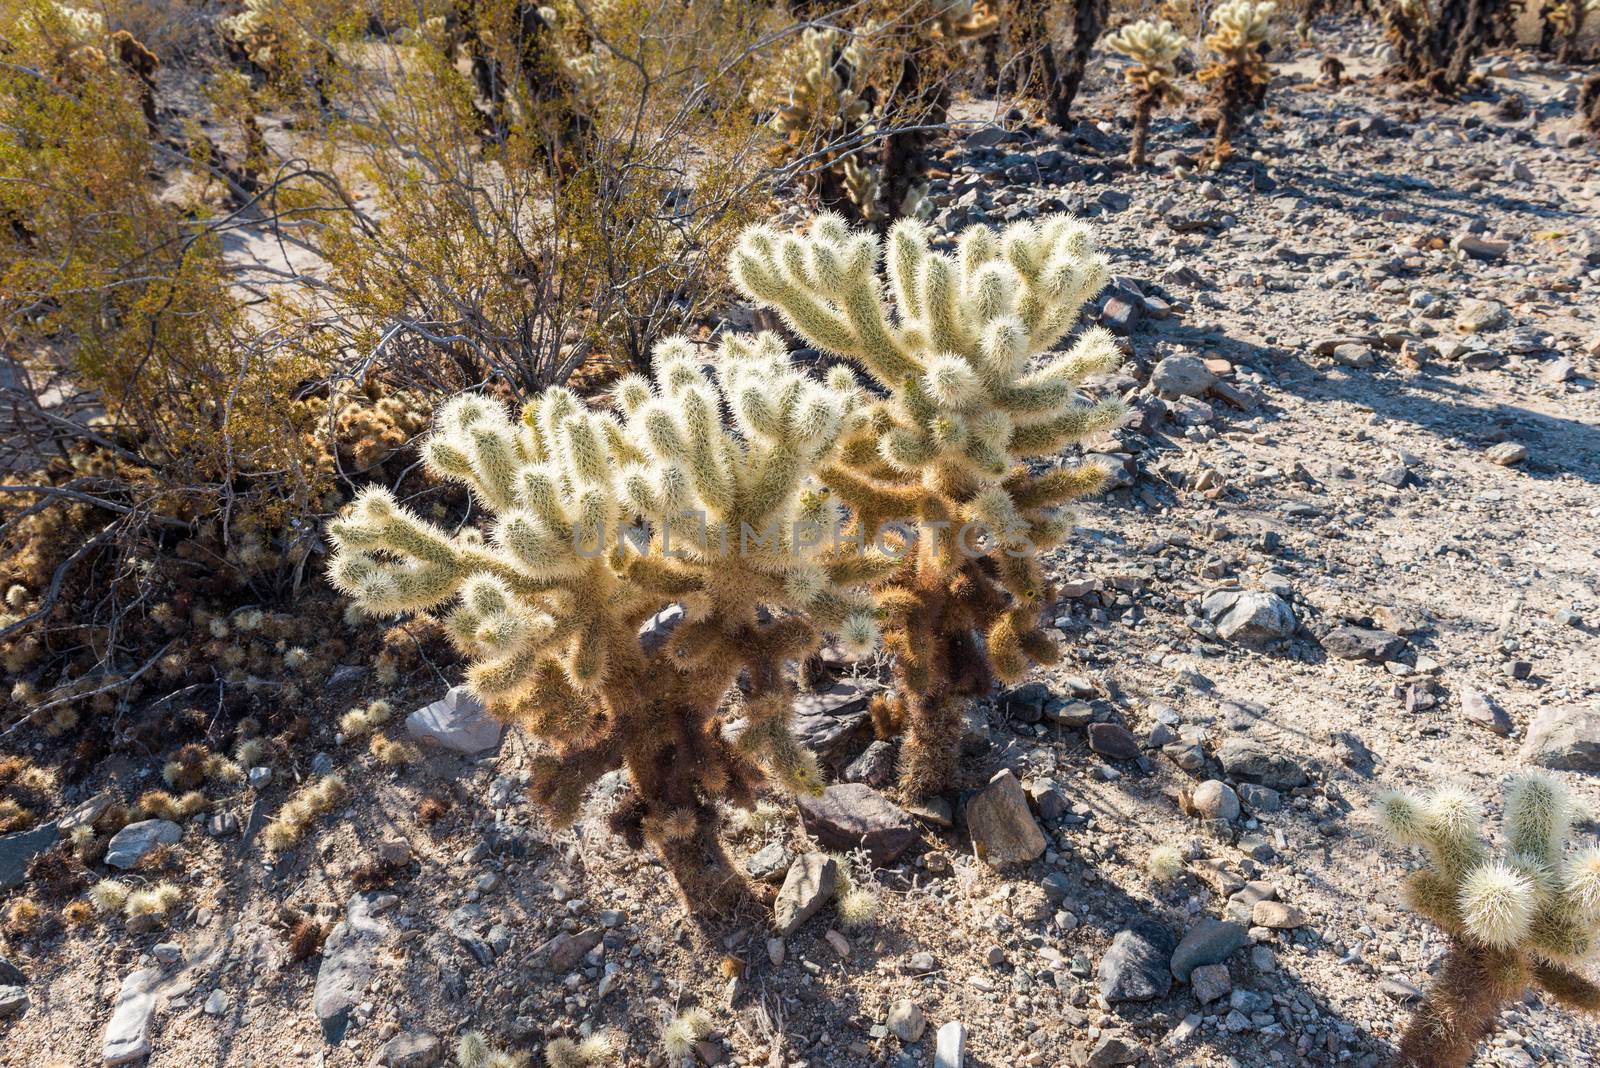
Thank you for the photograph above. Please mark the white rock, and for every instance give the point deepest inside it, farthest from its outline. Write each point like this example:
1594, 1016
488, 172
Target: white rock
127, 1034
456, 721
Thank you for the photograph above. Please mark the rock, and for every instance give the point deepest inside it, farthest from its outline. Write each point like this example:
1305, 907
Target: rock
18, 850
1046, 798
129, 845
1363, 643
1354, 355
875, 766
1003, 830
1109, 1051
1506, 453
807, 887
128, 1032
1113, 740
457, 721
13, 1001
832, 722
1485, 711
1135, 968
1259, 799
851, 815
906, 1020
1400, 990
1210, 941
1215, 800
1026, 703
1181, 376
11, 975
86, 812
1277, 915
1069, 713
410, 1049
1249, 759
1477, 316
769, 863
1564, 738
259, 778
217, 1003
562, 953
1255, 618
654, 631
920, 964
950, 1047
347, 965
1480, 248
167, 952
1210, 982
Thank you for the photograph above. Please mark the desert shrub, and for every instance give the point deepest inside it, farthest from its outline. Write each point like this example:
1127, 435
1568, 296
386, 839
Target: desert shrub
1153, 47
1435, 41
1241, 32
1525, 917
549, 603
951, 340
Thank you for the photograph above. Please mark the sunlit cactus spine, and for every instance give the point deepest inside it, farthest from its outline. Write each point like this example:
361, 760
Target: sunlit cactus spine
1154, 48
1526, 916
549, 602
1241, 32
961, 345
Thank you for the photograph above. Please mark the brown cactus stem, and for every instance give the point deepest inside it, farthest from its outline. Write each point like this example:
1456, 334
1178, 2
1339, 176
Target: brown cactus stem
709, 883
1460, 1009
1222, 146
1142, 110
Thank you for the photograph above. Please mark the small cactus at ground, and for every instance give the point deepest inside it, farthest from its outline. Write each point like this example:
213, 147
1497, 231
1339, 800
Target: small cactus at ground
1154, 47
1241, 32
936, 470
1527, 916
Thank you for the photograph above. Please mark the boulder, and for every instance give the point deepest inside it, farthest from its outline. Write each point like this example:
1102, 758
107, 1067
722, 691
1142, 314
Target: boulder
1564, 738
1135, 968
1003, 830
1253, 761
1210, 941
855, 816
809, 884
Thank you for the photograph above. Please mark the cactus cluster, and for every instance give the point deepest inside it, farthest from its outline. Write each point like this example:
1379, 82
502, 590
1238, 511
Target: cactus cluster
1241, 32
1526, 916
603, 521
961, 346
1154, 47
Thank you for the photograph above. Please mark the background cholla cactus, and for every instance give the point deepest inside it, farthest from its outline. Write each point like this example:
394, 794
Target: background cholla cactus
952, 340
965, 20
1525, 917
1589, 104
1241, 31
549, 605
1154, 47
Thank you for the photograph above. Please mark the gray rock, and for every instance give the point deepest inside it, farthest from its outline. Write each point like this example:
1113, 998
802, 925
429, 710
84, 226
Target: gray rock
1069, 713
1135, 968
563, 952
86, 812
217, 1003
11, 975
13, 1001
906, 1020
457, 721
1109, 1051
1026, 703
1480, 248
1210, 982
1485, 711
1363, 643
1507, 453
1215, 800
1253, 761
875, 765
851, 815
1354, 355
769, 863
129, 845
1182, 376
347, 965
810, 882
1255, 618
1113, 740
410, 1049
1565, 738
128, 1032
832, 722
1003, 830
18, 850
1259, 799
950, 1048
1211, 941
1477, 316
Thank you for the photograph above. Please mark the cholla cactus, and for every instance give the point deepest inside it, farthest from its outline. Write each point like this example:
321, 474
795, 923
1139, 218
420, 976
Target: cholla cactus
1154, 47
1524, 917
1241, 31
1589, 104
951, 339
549, 605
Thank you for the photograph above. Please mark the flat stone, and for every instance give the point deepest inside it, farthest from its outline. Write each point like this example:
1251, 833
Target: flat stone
1278, 915
852, 815
18, 850
1003, 830
1135, 968
130, 845
562, 953
14, 1001
1259, 799
1256, 618
950, 1047
1253, 761
1564, 738
906, 1020
810, 883
833, 722
1354, 355
410, 1049
1110, 1051
347, 965
1479, 247
1113, 740
1363, 643
1485, 711
1210, 982
1181, 376
1506, 453
1210, 941
1477, 316
458, 722
128, 1031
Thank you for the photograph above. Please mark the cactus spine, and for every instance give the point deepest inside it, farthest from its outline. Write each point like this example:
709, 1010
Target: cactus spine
952, 341
549, 605
1241, 31
1153, 47
1524, 918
